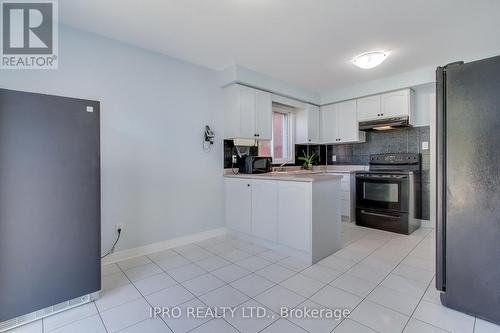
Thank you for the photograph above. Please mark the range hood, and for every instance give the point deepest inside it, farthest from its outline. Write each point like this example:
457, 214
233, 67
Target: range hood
384, 124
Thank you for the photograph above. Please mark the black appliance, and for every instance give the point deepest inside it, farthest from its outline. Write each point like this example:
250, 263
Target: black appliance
50, 240
256, 164
468, 187
388, 196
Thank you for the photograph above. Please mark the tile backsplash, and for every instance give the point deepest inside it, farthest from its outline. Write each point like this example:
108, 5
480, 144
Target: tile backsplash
403, 140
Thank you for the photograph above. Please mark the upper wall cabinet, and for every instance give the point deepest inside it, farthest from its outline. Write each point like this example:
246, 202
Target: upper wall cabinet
339, 123
393, 104
307, 125
368, 108
247, 113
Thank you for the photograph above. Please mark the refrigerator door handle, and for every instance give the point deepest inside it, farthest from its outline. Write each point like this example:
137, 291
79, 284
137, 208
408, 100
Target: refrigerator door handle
441, 179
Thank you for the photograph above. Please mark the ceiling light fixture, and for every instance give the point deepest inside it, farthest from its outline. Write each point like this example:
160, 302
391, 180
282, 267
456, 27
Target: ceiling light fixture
369, 60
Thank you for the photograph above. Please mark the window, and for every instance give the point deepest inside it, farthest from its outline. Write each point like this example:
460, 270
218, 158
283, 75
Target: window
281, 147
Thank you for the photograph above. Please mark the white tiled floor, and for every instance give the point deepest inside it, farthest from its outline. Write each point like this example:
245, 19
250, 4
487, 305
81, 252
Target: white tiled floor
384, 278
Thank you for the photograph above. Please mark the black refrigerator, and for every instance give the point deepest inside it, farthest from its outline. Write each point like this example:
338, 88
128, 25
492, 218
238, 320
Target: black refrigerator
468, 187
50, 203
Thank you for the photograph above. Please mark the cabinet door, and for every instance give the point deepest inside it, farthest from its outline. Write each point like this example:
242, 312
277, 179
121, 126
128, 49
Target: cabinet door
396, 103
238, 194
247, 112
265, 209
232, 112
347, 121
368, 108
313, 124
294, 214
263, 115
329, 128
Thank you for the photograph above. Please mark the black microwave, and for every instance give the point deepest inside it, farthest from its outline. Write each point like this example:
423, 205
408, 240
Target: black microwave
256, 164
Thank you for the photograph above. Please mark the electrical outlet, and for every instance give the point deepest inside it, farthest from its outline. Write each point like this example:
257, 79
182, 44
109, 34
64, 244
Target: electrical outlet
425, 145
119, 226
334, 158
234, 159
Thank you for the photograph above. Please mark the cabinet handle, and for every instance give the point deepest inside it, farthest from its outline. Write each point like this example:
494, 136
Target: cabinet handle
309, 140
248, 185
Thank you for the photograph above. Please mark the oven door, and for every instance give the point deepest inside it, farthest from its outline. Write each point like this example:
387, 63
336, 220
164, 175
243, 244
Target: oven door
382, 192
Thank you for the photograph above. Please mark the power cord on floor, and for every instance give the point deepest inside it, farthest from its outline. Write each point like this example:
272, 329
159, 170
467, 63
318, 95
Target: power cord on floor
114, 244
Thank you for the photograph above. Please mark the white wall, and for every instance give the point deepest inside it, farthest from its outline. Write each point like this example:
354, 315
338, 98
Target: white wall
156, 179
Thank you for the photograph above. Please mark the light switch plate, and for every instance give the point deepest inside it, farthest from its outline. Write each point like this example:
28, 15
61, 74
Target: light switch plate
425, 145
334, 158
90, 109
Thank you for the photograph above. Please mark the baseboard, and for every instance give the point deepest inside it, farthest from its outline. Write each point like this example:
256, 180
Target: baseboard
161, 246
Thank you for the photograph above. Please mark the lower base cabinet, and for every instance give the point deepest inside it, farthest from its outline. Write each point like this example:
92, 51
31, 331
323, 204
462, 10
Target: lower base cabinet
238, 204
294, 217
265, 209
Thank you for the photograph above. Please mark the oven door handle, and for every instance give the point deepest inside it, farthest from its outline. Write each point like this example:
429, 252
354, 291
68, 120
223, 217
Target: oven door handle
380, 177
379, 214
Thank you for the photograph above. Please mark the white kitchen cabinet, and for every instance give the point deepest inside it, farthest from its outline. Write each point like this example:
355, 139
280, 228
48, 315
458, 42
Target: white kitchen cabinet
339, 123
396, 103
294, 215
238, 204
247, 113
265, 209
307, 125
368, 108
347, 196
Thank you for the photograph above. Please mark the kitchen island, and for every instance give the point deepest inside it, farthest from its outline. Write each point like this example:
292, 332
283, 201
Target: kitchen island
293, 212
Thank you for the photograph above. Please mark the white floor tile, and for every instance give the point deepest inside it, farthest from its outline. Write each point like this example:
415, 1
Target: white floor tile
253, 263
34, 327
349, 254
225, 296
186, 272
350, 326
379, 317
213, 263
202, 284
157, 256
395, 300
303, 285
272, 255
253, 248
154, 283
275, 273
90, 324
417, 326
134, 262
418, 262
321, 273
278, 297
483, 326
109, 269
252, 285
215, 325
115, 280
170, 297
354, 285
294, 264
316, 325
116, 296
235, 255
432, 294
368, 273
283, 325
173, 262
142, 272
338, 264
231, 273
414, 273
197, 255
334, 298
66, 317
186, 322
125, 315
404, 285
248, 322
148, 326
444, 318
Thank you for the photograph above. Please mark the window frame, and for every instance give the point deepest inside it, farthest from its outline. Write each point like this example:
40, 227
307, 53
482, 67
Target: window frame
291, 135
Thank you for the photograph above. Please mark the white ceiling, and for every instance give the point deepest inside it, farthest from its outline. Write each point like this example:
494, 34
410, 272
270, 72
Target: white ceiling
305, 42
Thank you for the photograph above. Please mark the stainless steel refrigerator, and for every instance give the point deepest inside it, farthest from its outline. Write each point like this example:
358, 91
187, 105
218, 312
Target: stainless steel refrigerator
468, 187
49, 205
